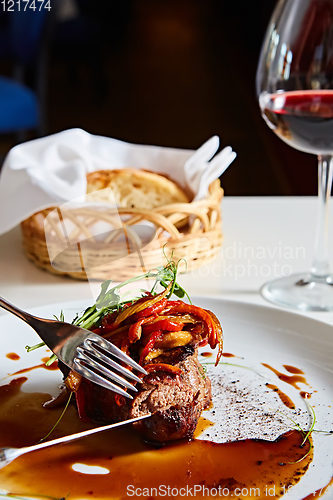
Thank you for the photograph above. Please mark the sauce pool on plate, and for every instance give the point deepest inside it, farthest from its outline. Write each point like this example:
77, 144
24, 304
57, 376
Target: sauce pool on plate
249, 469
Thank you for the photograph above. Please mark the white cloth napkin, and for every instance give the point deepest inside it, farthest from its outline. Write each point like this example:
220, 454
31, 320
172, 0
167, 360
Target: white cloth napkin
52, 170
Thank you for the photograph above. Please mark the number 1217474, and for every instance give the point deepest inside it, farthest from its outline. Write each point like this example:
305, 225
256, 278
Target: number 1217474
23, 5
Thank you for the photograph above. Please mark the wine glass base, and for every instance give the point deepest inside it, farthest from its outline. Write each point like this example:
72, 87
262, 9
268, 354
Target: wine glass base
301, 291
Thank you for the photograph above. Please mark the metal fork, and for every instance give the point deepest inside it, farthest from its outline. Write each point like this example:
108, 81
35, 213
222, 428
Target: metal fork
85, 352
7, 455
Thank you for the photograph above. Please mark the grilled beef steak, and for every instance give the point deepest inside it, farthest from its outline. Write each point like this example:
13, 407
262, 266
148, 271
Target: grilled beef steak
175, 400
163, 336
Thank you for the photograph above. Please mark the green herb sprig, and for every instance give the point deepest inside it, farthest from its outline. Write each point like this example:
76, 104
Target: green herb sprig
305, 433
111, 299
57, 422
235, 364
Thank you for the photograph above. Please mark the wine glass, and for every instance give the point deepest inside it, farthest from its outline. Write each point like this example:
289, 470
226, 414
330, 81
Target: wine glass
295, 92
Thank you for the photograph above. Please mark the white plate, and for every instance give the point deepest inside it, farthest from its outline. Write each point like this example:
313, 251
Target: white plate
256, 334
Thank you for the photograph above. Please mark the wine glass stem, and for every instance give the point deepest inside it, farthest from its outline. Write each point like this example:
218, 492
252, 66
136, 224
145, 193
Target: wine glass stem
320, 267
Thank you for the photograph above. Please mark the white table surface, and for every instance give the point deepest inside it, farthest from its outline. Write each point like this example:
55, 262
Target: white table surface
263, 238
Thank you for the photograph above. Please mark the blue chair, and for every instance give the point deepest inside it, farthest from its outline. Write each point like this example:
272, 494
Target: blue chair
22, 42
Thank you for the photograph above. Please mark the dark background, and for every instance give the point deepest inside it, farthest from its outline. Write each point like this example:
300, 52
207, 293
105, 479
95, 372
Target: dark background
170, 73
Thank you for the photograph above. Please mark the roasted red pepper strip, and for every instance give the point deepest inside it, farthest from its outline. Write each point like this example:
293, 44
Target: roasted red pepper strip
114, 333
219, 335
171, 304
164, 324
119, 399
154, 367
135, 330
119, 339
203, 315
103, 329
203, 342
154, 309
140, 306
125, 346
150, 344
80, 403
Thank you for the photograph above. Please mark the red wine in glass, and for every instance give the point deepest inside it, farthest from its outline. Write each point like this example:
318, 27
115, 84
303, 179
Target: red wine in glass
301, 118
295, 92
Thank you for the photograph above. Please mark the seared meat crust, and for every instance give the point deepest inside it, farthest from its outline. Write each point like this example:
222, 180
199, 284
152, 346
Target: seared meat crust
175, 401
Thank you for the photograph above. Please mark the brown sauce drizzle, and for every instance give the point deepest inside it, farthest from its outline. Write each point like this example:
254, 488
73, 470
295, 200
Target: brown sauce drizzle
293, 380
320, 492
305, 395
228, 355
52, 367
13, 356
293, 369
243, 464
206, 354
284, 398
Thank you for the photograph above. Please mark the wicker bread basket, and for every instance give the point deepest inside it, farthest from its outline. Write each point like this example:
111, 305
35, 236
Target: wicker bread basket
190, 230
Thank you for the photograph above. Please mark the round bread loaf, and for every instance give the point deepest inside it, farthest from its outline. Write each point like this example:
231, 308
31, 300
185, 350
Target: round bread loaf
132, 188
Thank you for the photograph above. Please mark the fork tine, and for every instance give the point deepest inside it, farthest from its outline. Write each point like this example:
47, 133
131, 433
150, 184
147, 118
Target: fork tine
111, 348
85, 356
64, 338
91, 349
102, 381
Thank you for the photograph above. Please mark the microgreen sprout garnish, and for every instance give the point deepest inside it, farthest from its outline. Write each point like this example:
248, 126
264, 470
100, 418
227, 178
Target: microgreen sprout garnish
57, 422
33, 347
304, 456
111, 299
306, 434
202, 372
170, 274
51, 360
61, 317
306, 437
